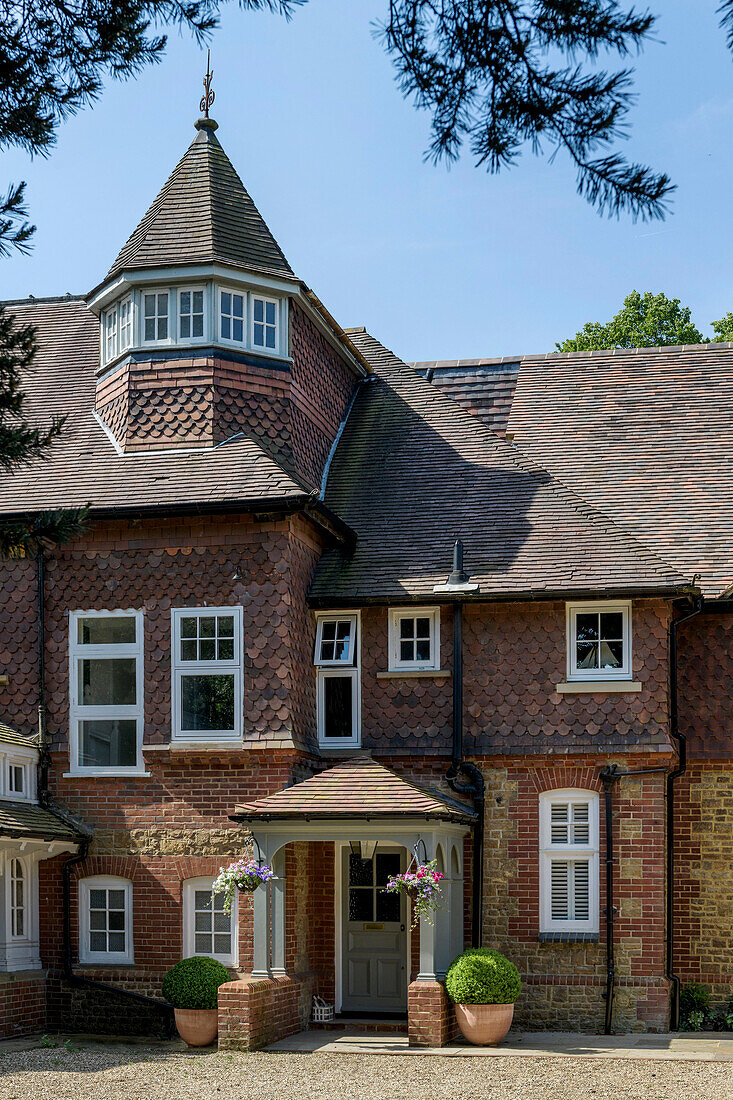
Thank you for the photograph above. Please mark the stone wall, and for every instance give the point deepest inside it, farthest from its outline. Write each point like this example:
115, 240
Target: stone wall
704, 877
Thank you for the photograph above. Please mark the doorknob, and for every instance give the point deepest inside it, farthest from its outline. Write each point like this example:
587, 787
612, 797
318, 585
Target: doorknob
402, 929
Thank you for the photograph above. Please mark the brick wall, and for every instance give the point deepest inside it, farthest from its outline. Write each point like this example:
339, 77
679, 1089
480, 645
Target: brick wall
22, 1003
563, 983
255, 1013
704, 877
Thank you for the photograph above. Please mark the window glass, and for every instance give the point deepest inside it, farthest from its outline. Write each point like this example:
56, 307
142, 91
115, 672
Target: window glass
415, 634
191, 314
16, 777
264, 323
108, 743
207, 638
338, 706
599, 640
17, 899
232, 316
106, 630
107, 917
110, 333
125, 323
207, 703
107, 682
155, 316
212, 927
336, 637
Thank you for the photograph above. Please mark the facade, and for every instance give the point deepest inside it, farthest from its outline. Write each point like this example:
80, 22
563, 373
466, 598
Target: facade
344, 612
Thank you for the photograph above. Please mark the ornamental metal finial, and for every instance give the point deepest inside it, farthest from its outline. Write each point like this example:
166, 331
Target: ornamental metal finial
209, 96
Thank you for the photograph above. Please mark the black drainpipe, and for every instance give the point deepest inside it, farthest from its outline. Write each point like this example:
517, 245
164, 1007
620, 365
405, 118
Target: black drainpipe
681, 740
43, 753
474, 787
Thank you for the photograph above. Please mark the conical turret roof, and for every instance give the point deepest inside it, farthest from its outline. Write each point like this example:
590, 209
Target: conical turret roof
203, 214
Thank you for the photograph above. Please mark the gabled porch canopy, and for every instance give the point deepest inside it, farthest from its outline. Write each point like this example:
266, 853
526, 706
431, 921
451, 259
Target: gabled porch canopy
362, 800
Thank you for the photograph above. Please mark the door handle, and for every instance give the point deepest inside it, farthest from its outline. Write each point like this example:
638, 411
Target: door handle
402, 929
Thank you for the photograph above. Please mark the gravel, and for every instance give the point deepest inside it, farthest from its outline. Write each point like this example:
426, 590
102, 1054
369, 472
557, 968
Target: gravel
127, 1072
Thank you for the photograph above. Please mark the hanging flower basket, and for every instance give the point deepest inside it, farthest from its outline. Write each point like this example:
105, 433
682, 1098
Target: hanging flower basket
245, 875
421, 884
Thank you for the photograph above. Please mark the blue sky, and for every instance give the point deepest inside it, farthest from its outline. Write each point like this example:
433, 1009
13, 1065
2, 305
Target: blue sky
437, 262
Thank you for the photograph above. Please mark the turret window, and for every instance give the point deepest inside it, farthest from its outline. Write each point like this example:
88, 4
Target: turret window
155, 319
110, 332
191, 314
125, 323
232, 316
264, 323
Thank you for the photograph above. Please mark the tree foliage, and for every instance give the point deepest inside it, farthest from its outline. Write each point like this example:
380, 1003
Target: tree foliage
723, 329
644, 321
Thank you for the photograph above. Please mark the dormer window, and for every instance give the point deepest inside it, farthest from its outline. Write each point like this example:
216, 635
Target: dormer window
110, 332
125, 324
155, 316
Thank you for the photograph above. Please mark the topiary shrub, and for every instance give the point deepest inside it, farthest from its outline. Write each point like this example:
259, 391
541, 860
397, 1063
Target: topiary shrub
194, 983
481, 976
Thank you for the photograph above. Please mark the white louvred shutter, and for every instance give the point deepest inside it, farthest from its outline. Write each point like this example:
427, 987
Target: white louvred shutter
581, 823
559, 822
581, 890
560, 889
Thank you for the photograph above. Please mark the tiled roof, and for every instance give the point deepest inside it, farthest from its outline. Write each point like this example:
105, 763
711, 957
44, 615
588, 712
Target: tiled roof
85, 468
357, 787
414, 471
484, 387
203, 215
25, 819
10, 736
646, 436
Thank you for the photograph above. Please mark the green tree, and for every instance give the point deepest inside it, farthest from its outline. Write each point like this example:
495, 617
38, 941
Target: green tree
644, 321
723, 329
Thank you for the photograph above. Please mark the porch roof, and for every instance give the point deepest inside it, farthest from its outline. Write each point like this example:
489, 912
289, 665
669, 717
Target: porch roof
26, 819
360, 787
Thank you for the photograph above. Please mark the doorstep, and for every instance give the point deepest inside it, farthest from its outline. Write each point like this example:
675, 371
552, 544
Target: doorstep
674, 1046
362, 1025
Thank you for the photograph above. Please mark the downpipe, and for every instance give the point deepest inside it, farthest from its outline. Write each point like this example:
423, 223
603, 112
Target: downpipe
473, 785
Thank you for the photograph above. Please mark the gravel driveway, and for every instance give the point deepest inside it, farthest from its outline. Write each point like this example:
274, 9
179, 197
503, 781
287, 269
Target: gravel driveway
130, 1072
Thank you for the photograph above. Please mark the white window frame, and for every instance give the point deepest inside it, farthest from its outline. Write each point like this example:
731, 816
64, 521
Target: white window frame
110, 333
575, 674
79, 713
19, 952
158, 341
104, 958
179, 668
24, 794
265, 300
550, 851
125, 303
190, 886
186, 340
229, 341
348, 668
396, 615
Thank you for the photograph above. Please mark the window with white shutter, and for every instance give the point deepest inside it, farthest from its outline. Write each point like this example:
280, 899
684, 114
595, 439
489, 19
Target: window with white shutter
569, 855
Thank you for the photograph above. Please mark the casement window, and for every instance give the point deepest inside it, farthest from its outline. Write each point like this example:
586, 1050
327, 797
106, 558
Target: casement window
105, 920
18, 899
19, 948
599, 641
265, 323
155, 316
191, 314
207, 673
106, 692
232, 316
338, 683
125, 324
569, 861
207, 929
17, 780
414, 638
110, 334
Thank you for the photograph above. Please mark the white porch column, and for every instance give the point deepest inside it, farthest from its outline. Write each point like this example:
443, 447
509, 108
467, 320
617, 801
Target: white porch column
428, 931
444, 915
277, 886
261, 932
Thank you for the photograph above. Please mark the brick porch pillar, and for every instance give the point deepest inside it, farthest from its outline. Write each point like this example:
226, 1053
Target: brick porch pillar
430, 1016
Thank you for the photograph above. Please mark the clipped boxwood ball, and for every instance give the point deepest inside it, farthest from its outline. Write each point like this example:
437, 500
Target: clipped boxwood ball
481, 976
194, 983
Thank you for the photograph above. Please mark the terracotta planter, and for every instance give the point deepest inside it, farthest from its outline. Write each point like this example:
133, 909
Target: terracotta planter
484, 1025
197, 1026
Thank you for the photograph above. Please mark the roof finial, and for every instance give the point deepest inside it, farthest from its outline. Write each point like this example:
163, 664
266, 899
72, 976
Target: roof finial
209, 96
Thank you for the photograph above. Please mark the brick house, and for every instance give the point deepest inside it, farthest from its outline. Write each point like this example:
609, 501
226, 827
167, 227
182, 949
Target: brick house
343, 611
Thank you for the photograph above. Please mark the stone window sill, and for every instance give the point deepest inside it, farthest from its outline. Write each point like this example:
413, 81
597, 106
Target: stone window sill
588, 687
404, 673
568, 937
105, 775
196, 746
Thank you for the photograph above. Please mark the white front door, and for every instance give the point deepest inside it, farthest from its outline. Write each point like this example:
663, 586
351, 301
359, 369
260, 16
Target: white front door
374, 933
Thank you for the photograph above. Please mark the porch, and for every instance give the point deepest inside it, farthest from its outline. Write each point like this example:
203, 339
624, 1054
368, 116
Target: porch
325, 924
